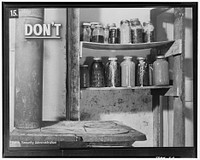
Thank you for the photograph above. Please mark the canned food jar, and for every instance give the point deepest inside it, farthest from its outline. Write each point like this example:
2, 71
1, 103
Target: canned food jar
84, 76
97, 73
142, 72
125, 32
98, 34
136, 31
127, 72
160, 71
148, 32
106, 34
92, 26
113, 35
86, 35
113, 73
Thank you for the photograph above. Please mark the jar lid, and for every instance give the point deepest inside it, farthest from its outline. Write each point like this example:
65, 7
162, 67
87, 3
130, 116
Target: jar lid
134, 19
86, 24
94, 23
84, 65
97, 58
113, 27
98, 26
160, 57
140, 58
124, 21
127, 57
112, 58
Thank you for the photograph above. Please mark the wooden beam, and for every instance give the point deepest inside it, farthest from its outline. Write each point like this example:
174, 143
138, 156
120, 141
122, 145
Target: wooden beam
178, 103
73, 64
175, 49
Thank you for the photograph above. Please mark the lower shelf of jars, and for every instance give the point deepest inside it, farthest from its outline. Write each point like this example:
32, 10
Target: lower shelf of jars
120, 88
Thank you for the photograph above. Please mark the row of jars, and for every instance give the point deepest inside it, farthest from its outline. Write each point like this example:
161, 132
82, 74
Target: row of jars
129, 32
127, 74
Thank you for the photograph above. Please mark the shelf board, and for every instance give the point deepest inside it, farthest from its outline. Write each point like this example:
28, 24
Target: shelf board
123, 88
136, 46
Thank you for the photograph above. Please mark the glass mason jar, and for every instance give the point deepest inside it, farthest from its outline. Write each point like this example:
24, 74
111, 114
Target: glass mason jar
124, 32
106, 34
136, 31
160, 71
113, 35
127, 72
142, 72
98, 34
113, 73
84, 76
97, 75
148, 32
86, 33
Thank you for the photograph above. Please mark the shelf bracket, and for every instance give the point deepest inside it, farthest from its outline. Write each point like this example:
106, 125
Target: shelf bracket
175, 49
81, 50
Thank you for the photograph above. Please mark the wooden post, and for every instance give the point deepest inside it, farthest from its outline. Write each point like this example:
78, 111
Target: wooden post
179, 124
28, 68
73, 111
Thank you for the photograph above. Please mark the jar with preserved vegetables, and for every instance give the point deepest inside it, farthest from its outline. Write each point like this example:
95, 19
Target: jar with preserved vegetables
92, 26
127, 72
84, 76
113, 73
113, 35
125, 32
98, 34
160, 71
148, 32
106, 34
136, 31
97, 73
86, 32
142, 72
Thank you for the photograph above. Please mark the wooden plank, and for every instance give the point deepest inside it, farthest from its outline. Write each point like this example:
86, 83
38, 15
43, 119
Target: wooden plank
164, 123
73, 64
122, 88
179, 124
157, 139
175, 49
136, 46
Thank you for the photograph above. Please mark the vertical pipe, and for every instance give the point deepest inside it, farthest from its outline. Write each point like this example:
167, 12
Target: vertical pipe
28, 69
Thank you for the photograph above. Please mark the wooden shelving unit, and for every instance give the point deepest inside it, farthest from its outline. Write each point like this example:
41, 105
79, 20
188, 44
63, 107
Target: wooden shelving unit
123, 88
136, 46
174, 49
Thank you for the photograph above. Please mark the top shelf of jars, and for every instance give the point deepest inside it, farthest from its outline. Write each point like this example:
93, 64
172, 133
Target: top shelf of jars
135, 46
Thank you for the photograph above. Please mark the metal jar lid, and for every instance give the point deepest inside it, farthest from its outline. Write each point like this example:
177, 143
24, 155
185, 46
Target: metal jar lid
86, 24
84, 65
97, 58
112, 58
140, 58
160, 57
127, 57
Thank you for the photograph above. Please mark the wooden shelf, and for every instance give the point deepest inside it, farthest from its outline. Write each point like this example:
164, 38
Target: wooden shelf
122, 88
137, 46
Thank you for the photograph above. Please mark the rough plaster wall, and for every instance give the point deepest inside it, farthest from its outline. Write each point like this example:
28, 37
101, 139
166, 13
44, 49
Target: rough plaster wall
132, 108
54, 71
